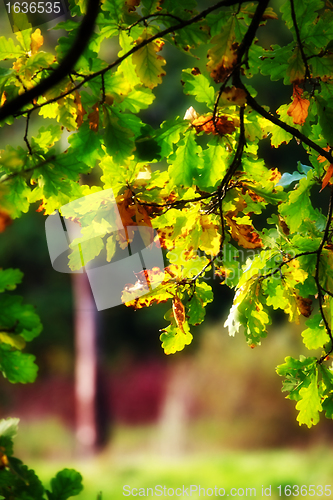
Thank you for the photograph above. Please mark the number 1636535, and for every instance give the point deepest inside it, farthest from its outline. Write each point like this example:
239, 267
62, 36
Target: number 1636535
304, 490
34, 7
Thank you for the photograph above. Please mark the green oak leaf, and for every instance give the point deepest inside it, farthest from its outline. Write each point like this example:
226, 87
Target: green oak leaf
67, 483
9, 278
315, 336
309, 404
186, 163
174, 339
198, 85
17, 366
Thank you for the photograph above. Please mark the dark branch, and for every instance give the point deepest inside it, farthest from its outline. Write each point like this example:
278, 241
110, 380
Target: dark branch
319, 288
292, 130
16, 107
85, 32
25, 138
157, 14
251, 32
18, 173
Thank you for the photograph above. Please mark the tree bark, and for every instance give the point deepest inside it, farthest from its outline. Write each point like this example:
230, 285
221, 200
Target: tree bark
85, 364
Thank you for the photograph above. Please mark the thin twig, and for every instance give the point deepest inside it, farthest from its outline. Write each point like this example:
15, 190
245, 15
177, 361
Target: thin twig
157, 14
25, 138
284, 262
85, 31
288, 128
103, 89
299, 41
222, 190
316, 277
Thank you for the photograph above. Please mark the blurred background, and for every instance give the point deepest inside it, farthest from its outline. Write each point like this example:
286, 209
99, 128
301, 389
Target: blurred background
213, 414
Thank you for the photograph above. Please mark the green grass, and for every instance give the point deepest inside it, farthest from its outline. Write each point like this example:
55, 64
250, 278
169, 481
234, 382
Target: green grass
109, 473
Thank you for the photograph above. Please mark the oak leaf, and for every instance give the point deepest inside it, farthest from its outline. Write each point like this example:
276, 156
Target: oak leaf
304, 305
148, 64
244, 234
327, 177
223, 55
224, 124
322, 159
132, 214
80, 110
233, 95
93, 118
37, 41
132, 4
191, 114
298, 110
178, 310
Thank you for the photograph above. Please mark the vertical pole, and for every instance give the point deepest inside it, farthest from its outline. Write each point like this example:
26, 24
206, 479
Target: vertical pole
85, 364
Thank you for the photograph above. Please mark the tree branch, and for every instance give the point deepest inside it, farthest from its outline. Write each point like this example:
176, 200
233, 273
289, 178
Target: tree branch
292, 130
320, 291
21, 101
18, 173
85, 32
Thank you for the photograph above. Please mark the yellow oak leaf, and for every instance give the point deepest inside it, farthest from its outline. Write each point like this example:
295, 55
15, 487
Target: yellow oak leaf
233, 95
148, 64
223, 55
244, 234
37, 41
209, 238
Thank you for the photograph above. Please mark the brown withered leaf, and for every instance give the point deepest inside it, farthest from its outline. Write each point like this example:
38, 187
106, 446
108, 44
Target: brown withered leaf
80, 110
244, 234
329, 246
132, 214
304, 305
147, 289
224, 125
321, 158
196, 71
233, 95
93, 118
327, 177
5, 220
178, 310
220, 67
132, 4
275, 175
284, 228
298, 109
221, 273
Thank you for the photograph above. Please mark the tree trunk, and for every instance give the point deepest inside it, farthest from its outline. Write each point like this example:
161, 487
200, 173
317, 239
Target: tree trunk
85, 313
